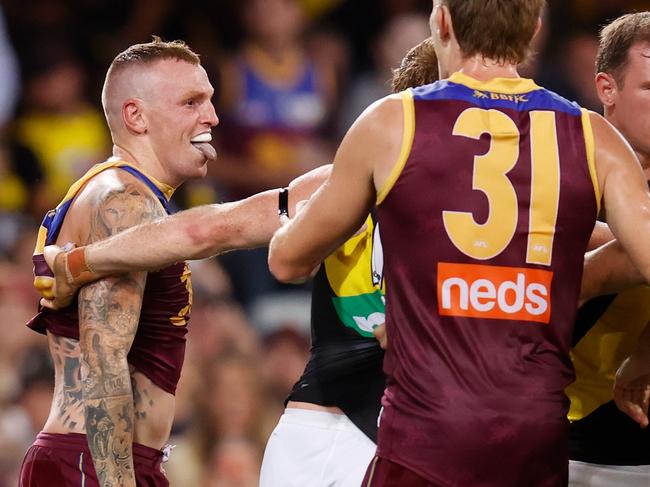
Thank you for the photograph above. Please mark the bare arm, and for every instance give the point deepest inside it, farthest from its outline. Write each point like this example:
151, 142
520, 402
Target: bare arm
108, 319
600, 235
627, 203
625, 193
199, 232
608, 269
109, 311
632, 387
339, 207
192, 234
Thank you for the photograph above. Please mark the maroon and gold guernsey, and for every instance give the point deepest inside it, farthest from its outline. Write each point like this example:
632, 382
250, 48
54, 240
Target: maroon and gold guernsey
158, 349
484, 220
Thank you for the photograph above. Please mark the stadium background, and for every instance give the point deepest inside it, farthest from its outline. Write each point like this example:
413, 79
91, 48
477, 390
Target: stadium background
248, 338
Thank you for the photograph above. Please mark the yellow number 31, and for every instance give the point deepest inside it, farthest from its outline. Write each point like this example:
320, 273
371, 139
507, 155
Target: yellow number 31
487, 240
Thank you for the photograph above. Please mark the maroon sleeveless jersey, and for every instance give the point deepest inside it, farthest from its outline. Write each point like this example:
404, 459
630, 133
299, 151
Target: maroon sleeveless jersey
158, 349
484, 222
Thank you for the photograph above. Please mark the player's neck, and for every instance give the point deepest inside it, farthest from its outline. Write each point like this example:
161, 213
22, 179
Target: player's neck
644, 160
148, 163
483, 69
614, 116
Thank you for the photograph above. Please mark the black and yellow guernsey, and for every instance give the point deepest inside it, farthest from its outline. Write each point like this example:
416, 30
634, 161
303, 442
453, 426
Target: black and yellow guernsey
345, 365
606, 331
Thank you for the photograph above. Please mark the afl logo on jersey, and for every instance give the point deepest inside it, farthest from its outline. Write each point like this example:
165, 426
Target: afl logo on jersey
495, 292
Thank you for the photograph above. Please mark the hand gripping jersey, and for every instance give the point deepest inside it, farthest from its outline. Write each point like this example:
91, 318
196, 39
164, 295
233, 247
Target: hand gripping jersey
606, 331
344, 369
485, 220
158, 349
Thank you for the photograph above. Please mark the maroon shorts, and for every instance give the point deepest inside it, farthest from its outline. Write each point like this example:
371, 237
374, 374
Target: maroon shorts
63, 460
384, 473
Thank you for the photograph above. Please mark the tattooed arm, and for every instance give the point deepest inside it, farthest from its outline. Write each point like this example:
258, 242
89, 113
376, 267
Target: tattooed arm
109, 311
191, 234
202, 231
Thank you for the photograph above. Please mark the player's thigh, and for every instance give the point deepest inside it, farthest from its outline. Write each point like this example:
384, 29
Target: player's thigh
352, 452
314, 449
292, 454
583, 474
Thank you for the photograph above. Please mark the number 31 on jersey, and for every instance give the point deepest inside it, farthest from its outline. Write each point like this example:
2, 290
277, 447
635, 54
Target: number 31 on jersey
486, 240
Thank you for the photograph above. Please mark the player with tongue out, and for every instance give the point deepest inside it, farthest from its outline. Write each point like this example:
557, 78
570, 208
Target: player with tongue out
123, 340
202, 143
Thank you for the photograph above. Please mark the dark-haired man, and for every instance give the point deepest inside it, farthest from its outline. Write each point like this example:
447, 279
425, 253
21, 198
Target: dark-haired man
487, 188
606, 446
119, 349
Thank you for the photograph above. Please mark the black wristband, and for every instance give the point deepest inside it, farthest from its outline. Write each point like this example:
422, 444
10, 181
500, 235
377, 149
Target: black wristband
283, 202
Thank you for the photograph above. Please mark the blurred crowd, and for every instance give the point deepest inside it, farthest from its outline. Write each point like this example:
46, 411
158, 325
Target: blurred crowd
290, 78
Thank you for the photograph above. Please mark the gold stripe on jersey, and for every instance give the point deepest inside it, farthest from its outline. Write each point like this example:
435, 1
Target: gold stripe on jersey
408, 134
509, 86
545, 187
599, 353
591, 154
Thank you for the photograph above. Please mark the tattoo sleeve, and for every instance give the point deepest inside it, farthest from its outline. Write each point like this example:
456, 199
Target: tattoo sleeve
109, 311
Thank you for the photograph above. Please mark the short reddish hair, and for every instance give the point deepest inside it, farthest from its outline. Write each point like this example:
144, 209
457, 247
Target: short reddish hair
153, 51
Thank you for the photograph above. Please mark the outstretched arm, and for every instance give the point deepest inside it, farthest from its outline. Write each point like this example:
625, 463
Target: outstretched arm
199, 232
608, 269
192, 234
625, 193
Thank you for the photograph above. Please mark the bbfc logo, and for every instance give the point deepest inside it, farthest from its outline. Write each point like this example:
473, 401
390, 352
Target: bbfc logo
505, 293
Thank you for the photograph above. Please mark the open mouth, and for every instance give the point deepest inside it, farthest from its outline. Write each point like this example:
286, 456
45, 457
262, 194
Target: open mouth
204, 137
201, 142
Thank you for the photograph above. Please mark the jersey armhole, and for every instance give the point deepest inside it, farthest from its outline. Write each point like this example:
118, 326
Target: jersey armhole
44, 232
407, 142
591, 155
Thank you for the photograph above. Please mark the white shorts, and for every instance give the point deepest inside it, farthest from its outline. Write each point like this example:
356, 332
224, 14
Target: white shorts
593, 475
315, 449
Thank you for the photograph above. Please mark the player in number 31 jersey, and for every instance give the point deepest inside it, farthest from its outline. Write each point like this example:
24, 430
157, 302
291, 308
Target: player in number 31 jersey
491, 275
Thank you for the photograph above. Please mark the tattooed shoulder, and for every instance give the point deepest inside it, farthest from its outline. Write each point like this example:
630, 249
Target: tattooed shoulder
121, 206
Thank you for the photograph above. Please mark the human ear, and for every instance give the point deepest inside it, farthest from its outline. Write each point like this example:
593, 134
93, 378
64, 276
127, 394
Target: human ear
607, 89
133, 116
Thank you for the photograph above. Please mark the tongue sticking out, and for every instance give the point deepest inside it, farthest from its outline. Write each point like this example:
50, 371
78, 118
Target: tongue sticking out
206, 149
202, 143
